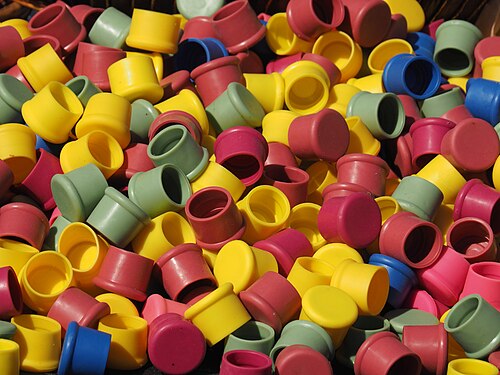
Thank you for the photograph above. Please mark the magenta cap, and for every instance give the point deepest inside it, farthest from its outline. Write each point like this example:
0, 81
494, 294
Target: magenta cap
11, 47
354, 220
75, 305
250, 62
280, 154
198, 27
281, 62
24, 222
311, 18
213, 77
398, 28
411, 240
322, 135
176, 117
135, 159
368, 171
457, 114
471, 145
183, 269
37, 183
444, 280
214, 217
411, 109
430, 343
242, 150
125, 273
342, 189
286, 245
427, 135
246, 362
486, 47
175, 345
175, 82
292, 181
237, 26
272, 300
383, 354
156, 306
6, 179
419, 299
477, 199
301, 359
10, 294
86, 14
484, 279
404, 155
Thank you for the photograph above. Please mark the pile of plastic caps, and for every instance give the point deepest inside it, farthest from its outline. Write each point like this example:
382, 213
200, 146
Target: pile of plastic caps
311, 191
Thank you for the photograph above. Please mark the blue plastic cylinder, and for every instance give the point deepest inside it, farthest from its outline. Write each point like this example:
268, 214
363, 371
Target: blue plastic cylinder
483, 99
84, 352
194, 52
422, 43
416, 76
401, 278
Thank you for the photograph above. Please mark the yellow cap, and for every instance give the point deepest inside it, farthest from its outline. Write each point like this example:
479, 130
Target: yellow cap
307, 272
15, 254
275, 125
304, 218
460, 82
210, 257
129, 341
342, 50
321, 174
118, 304
21, 25
444, 218
281, 39
240, 264
266, 210
17, 149
335, 253
467, 366
388, 206
157, 61
218, 314
491, 68
44, 277
411, 10
496, 174
444, 176
361, 140
330, 308
370, 83
268, 89
340, 95
9, 357
39, 339
383, 52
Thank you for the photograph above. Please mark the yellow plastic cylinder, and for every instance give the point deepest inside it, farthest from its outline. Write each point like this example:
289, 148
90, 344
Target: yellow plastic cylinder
268, 89
444, 219
218, 314
307, 87
135, 78
383, 52
241, 265
39, 339
44, 277
339, 97
21, 25
388, 206
411, 10
53, 112
281, 39
341, 50
491, 68
43, 66
17, 149
266, 210
275, 125
307, 272
304, 218
109, 113
336, 252
85, 250
468, 366
361, 140
157, 59
161, 234
96, 147
321, 174
118, 304
129, 340
444, 176
368, 285
9, 357
15, 254
370, 83
496, 174
332, 309
154, 31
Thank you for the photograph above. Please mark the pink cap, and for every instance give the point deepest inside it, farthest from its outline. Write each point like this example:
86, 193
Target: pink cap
301, 359
250, 62
10, 294
427, 134
280, 154
411, 109
286, 246
213, 77
198, 27
484, 279
37, 183
125, 273
271, 299
486, 47
6, 179
398, 28
135, 159
11, 47
24, 222
246, 362
75, 305
342, 189
354, 220
242, 150
86, 14
432, 27
156, 305
175, 82
322, 135
14, 71
369, 171
445, 279
457, 114
281, 62
176, 117
292, 181
183, 269
419, 299
472, 145
175, 345
494, 358
430, 343
33, 42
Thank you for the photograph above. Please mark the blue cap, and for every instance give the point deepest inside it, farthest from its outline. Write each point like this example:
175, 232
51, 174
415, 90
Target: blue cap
194, 52
483, 99
422, 43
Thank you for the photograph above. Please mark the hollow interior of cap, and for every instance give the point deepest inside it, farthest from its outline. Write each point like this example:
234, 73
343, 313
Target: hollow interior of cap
253, 332
267, 207
452, 59
246, 359
284, 174
418, 76
495, 218
306, 92
409, 365
469, 238
388, 114
419, 243
323, 10
46, 17
173, 185
462, 313
208, 204
177, 230
242, 166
